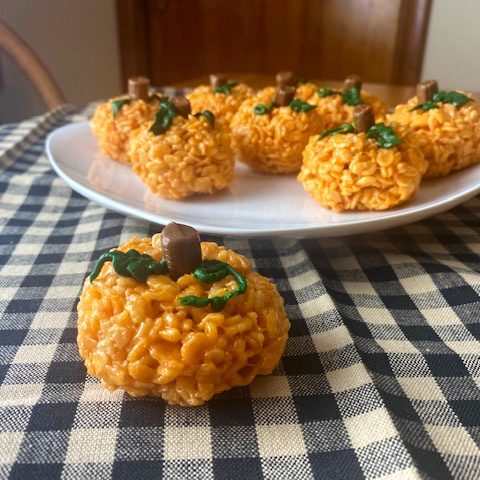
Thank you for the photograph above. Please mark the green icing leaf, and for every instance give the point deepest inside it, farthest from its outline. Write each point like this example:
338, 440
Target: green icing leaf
212, 271
208, 115
262, 109
299, 106
163, 117
352, 96
425, 106
342, 130
226, 88
130, 264
326, 91
384, 135
118, 104
455, 98
302, 80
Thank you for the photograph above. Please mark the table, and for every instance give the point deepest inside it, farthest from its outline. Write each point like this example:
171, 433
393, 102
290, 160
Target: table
380, 378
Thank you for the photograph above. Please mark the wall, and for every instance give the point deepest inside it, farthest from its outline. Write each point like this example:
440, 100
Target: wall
75, 39
453, 44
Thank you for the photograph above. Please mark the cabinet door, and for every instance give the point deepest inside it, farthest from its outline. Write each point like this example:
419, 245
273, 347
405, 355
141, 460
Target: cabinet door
174, 40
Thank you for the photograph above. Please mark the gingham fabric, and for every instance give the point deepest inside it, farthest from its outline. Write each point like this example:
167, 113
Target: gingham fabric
380, 378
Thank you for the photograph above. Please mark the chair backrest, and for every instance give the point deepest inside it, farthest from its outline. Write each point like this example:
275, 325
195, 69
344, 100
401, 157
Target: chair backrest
31, 65
170, 40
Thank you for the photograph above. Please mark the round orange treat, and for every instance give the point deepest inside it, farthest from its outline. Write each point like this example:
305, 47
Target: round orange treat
191, 157
272, 142
138, 337
351, 172
223, 105
334, 111
114, 131
449, 136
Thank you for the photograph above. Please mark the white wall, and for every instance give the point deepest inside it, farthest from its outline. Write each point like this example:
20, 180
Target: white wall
75, 39
452, 54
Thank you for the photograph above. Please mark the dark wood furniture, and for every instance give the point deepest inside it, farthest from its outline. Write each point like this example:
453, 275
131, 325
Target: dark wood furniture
173, 40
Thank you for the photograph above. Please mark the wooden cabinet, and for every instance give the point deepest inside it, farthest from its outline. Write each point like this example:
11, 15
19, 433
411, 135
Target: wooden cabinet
173, 40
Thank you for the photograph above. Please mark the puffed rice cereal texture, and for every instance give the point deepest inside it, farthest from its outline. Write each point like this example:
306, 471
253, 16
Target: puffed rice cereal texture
449, 136
114, 132
272, 143
191, 157
223, 105
135, 336
334, 111
351, 172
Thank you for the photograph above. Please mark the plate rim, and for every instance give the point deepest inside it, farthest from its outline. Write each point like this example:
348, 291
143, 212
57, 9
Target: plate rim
393, 218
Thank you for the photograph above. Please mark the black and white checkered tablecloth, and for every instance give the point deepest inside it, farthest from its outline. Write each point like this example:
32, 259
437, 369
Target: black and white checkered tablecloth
380, 378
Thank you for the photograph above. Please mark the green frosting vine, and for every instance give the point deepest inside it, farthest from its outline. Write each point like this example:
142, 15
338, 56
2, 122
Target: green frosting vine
208, 115
163, 117
212, 271
226, 88
120, 102
384, 135
262, 109
298, 106
342, 129
130, 264
455, 98
140, 266
351, 96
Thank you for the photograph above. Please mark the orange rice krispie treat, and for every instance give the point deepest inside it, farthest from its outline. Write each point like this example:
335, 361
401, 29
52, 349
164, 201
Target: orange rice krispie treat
446, 126
336, 107
364, 166
170, 317
180, 154
270, 137
222, 97
304, 89
114, 121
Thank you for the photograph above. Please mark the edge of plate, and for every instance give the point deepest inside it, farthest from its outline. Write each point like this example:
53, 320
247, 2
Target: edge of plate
349, 228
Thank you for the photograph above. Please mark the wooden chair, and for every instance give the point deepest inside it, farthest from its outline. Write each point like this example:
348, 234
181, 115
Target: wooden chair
31, 65
171, 41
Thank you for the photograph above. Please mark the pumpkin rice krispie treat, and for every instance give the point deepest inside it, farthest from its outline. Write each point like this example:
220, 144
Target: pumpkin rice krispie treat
446, 126
222, 97
114, 121
171, 317
270, 137
180, 154
336, 106
362, 166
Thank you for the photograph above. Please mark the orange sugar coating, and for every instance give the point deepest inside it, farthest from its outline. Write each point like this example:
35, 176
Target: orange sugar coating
351, 172
334, 111
135, 336
449, 136
223, 105
191, 157
272, 143
113, 132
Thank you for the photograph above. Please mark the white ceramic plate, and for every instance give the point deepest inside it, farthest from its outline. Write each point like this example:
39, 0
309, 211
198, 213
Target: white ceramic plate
255, 205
